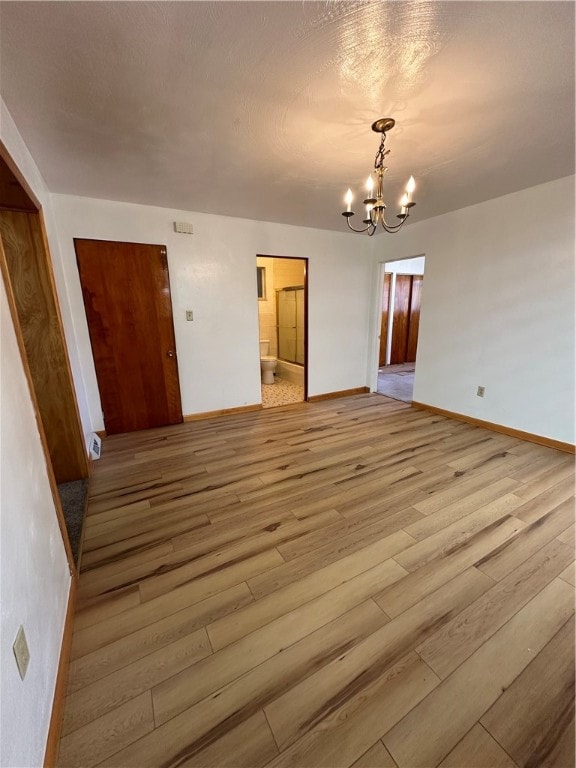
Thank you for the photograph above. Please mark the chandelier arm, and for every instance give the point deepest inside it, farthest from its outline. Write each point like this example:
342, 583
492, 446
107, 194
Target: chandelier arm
357, 230
392, 227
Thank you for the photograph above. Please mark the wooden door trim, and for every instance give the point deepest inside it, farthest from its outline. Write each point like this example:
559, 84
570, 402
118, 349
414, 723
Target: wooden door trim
32, 280
384, 315
306, 266
81, 448
33, 204
39, 424
33, 208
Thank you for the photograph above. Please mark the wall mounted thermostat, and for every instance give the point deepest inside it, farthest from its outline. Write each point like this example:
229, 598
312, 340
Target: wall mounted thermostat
183, 227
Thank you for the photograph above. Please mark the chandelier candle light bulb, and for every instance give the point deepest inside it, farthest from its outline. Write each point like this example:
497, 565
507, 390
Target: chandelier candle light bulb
370, 185
410, 187
348, 200
375, 205
404, 202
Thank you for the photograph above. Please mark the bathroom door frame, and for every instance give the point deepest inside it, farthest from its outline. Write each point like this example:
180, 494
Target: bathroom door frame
306, 268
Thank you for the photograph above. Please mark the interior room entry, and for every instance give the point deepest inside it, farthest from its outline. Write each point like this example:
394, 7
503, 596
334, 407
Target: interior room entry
26, 267
400, 311
282, 283
402, 282
128, 305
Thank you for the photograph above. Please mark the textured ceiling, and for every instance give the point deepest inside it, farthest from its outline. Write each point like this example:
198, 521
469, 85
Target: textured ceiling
263, 109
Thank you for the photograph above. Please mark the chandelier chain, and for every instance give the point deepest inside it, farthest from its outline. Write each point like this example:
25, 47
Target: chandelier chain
381, 153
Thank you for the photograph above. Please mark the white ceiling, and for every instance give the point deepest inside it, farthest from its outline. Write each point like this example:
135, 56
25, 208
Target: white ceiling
263, 109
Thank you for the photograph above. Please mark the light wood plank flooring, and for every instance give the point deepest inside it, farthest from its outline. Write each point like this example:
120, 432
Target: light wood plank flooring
349, 583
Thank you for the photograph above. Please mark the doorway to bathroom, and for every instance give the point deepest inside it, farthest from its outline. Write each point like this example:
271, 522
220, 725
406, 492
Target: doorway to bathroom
283, 328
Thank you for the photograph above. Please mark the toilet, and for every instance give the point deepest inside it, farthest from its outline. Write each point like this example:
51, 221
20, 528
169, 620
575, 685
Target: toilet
267, 362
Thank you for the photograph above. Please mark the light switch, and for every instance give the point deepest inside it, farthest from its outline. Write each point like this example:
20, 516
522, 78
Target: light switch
189, 314
21, 652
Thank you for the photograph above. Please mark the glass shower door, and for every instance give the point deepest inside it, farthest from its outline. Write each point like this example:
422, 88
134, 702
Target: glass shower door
300, 325
287, 325
291, 324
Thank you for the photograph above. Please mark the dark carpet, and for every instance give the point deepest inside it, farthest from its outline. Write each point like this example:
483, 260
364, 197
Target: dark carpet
396, 381
73, 498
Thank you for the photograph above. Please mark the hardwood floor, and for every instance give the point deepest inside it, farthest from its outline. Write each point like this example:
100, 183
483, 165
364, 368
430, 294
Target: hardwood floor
349, 583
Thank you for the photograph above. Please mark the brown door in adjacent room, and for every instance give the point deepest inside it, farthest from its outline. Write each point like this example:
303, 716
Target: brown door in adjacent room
129, 311
406, 321
414, 318
401, 318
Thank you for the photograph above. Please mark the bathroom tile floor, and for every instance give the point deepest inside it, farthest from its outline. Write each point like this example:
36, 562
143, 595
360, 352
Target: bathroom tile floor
282, 392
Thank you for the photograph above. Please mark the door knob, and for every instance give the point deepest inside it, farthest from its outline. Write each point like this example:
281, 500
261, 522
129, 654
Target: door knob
170, 353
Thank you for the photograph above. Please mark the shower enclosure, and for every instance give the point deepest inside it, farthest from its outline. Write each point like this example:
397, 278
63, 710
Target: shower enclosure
290, 313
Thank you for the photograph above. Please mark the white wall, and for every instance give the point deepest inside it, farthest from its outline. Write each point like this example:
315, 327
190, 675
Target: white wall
497, 309
406, 266
212, 272
34, 576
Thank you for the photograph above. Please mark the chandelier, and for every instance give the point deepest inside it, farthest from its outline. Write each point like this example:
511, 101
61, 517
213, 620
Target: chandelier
374, 202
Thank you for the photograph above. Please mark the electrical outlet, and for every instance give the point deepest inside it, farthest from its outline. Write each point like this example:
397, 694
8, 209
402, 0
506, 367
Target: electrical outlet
480, 391
21, 652
189, 314
95, 446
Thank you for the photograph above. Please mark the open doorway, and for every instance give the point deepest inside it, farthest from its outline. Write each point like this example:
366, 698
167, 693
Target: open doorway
399, 327
26, 268
283, 329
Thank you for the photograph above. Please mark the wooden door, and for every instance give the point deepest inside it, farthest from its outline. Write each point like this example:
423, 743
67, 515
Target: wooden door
31, 283
384, 320
129, 310
400, 320
414, 318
